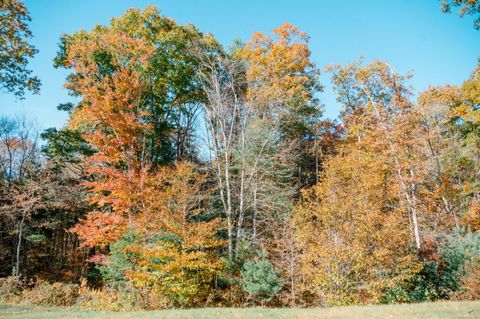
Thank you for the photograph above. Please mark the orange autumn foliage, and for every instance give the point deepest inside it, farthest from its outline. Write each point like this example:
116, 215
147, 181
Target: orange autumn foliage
279, 68
99, 229
112, 119
471, 219
177, 258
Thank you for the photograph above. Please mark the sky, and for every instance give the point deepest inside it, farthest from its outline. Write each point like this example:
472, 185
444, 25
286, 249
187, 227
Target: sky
411, 35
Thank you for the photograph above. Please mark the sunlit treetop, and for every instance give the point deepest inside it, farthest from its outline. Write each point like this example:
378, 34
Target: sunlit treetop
15, 51
369, 93
279, 67
138, 70
168, 66
469, 108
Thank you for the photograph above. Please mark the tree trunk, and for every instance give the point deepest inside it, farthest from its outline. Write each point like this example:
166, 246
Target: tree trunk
19, 244
409, 195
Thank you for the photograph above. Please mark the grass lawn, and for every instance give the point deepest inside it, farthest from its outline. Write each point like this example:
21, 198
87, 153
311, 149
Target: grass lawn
425, 310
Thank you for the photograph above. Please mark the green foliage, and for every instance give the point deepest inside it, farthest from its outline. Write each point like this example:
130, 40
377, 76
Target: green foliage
393, 170
423, 287
232, 267
440, 279
65, 146
15, 51
37, 238
171, 94
459, 249
118, 262
261, 279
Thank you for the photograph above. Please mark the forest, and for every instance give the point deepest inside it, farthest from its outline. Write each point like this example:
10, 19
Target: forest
190, 174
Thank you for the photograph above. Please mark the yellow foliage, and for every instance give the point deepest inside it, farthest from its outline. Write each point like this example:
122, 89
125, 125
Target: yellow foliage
177, 258
354, 238
279, 68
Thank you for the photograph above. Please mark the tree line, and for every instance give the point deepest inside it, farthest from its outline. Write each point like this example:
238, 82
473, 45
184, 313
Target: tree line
189, 174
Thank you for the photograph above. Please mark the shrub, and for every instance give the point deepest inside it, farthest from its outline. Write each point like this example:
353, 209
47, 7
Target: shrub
55, 294
260, 279
10, 289
127, 297
422, 287
107, 299
118, 262
459, 250
470, 288
121, 298
454, 274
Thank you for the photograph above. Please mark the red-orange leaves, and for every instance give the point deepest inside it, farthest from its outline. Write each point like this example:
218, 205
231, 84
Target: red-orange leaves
108, 65
100, 229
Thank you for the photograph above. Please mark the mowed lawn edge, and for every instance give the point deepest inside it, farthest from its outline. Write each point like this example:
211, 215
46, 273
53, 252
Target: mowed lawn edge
445, 309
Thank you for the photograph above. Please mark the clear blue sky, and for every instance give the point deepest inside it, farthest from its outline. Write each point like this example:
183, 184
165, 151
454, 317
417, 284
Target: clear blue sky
409, 34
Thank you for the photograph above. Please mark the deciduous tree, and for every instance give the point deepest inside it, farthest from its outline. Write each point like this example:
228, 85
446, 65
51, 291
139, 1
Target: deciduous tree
15, 50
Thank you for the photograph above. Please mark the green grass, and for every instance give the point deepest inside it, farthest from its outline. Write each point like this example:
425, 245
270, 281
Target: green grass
410, 311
